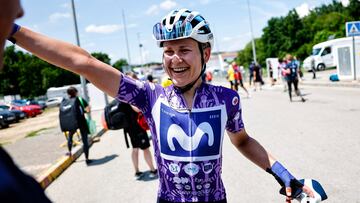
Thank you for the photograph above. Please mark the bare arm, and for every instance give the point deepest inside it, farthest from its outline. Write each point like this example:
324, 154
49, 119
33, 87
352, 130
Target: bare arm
70, 57
251, 149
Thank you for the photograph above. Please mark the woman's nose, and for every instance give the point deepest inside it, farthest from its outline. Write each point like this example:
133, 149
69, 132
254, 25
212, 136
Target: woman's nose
176, 59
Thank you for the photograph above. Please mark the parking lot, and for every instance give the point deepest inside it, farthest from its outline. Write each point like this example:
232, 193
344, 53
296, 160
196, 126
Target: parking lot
16, 131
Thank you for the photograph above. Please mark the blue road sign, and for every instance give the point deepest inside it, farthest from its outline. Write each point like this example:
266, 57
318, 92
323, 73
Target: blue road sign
353, 28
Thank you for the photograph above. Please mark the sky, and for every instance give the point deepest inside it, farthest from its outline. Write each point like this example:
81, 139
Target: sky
101, 22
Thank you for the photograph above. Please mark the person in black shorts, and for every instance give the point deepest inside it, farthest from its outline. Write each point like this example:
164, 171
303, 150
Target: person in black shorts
139, 140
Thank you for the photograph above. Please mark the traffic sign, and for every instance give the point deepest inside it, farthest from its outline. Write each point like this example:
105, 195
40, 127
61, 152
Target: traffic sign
353, 28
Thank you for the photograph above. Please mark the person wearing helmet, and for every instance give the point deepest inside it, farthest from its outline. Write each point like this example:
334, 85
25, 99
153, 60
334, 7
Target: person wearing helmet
187, 119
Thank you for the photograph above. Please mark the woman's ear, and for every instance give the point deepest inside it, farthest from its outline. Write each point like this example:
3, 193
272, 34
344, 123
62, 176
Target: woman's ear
207, 53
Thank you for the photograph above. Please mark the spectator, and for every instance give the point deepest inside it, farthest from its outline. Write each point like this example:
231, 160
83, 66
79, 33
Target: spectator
271, 73
139, 139
251, 72
231, 78
313, 69
258, 81
292, 76
82, 108
239, 78
281, 68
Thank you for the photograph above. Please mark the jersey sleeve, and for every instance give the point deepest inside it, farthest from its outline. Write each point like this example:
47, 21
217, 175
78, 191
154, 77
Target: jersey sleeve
134, 92
234, 112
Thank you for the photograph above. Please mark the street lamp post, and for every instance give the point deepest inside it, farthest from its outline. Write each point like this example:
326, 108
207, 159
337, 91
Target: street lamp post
82, 79
140, 48
252, 34
126, 38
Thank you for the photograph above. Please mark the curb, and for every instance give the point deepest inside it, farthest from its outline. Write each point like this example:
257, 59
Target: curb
47, 177
333, 84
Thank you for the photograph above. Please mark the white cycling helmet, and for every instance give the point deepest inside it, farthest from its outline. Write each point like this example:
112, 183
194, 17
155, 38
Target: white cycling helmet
181, 24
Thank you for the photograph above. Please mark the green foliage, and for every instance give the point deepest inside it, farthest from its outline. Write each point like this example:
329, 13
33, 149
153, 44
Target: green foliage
102, 57
295, 35
30, 76
119, 64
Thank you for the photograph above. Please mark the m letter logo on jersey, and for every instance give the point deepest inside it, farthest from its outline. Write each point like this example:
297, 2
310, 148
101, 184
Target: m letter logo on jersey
194, 136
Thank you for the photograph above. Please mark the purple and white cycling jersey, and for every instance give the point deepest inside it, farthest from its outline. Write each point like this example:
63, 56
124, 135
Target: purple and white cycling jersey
187, 141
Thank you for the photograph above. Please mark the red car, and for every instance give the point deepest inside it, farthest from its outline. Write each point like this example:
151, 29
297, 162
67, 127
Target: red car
30, 110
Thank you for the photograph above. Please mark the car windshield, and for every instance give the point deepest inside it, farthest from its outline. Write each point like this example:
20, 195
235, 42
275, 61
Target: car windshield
315, 51
4, 107
19, 104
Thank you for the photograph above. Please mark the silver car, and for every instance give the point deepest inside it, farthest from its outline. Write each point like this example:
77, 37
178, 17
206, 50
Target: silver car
53, 102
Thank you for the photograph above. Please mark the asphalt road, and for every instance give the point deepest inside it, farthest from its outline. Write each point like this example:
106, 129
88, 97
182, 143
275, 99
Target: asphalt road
317, 139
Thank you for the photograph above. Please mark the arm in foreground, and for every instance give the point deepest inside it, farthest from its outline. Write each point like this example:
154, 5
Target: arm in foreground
70, 57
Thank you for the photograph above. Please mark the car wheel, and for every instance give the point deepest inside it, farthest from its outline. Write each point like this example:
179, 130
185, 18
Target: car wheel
4, 125
320, 67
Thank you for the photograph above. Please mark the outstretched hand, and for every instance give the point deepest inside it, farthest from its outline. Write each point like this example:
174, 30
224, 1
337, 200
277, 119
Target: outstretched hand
305, 189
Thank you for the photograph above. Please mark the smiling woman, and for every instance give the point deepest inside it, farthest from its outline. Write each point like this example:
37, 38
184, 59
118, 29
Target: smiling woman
189, 141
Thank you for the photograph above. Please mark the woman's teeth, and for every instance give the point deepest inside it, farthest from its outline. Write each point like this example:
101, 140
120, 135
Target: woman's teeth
179, 69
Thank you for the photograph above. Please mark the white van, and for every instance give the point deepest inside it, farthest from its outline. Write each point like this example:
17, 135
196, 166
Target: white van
323, 53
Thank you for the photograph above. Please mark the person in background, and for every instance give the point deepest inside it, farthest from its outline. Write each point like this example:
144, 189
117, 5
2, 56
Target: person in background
15, 185
271, 73
258, 81
83, 107
231, 78
239, 78
281, 68
292, 76
251, 73
313, 69
139, 138
150, 78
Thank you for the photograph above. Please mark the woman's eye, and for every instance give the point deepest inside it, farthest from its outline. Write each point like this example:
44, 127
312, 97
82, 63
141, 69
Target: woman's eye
168, 52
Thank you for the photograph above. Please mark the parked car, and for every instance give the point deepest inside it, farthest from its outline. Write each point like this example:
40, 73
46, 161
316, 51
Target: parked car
18, 114
6, 118
54, 101
41, 103
30, 110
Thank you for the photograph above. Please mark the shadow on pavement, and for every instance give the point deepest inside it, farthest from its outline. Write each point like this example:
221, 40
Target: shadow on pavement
102, 160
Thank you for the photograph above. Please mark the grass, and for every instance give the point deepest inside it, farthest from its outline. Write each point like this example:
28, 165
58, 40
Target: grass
4, 143
35, 133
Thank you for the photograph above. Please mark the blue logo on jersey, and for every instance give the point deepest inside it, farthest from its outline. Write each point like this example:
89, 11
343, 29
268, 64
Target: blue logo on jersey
184, 135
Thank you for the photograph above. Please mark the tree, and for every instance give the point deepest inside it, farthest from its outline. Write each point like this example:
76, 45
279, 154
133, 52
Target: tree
119, 64
102, 57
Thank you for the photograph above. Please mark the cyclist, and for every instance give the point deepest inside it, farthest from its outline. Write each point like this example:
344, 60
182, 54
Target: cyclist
187, 119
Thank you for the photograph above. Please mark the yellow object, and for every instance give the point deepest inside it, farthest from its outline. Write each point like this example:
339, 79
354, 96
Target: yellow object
230, 73
166, 82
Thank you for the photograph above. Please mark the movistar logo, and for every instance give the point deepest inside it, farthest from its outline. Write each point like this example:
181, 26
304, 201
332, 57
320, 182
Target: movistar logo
194, 136
187, 143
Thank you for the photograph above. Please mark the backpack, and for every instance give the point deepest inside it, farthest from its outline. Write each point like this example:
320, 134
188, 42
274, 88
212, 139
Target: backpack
115, 117
68, 115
